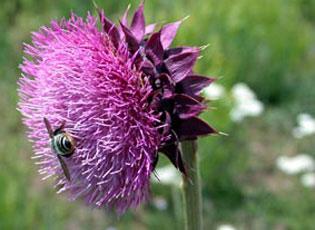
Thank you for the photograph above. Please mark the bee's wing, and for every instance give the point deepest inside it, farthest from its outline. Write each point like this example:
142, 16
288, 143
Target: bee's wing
64, 167
48, 127
61, 127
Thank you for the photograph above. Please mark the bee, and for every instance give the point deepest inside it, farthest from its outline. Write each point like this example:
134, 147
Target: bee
62, 144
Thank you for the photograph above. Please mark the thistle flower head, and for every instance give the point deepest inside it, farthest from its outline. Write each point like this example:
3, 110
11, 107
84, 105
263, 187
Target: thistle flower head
122, 94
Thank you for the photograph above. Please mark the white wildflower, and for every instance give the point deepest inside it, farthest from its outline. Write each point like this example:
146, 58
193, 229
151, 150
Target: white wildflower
295, 164
214, 91
168, 175
226, 227
246, 103
308, 180
306, 125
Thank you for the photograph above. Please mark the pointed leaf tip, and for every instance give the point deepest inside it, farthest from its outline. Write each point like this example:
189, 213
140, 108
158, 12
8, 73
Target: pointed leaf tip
193, 127
168, 33
193, 84
138, 23
133, 44
149, 29
181, 65
187, 107
96, 6
185, 18
124, 19
110, 28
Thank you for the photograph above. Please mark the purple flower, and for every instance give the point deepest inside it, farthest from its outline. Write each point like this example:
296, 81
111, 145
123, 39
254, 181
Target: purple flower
120, 93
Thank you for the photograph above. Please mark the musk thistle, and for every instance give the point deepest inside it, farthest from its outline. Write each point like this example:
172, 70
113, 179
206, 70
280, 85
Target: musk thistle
121, 93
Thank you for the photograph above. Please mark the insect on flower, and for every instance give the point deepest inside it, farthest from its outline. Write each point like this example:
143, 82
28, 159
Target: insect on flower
62, 144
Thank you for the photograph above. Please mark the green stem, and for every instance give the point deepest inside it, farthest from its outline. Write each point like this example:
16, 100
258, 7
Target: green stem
177, 202
191, 187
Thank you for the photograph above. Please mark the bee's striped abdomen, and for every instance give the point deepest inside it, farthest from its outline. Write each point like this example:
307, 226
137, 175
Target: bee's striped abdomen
62, 144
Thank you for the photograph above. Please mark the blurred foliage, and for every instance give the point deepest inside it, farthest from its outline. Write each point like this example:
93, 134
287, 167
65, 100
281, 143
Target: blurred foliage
268, 44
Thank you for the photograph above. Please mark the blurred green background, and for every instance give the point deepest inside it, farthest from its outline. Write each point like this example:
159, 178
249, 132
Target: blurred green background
268, 44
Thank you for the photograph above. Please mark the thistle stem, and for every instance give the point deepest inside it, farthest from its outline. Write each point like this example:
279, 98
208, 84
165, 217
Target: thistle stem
191, 187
